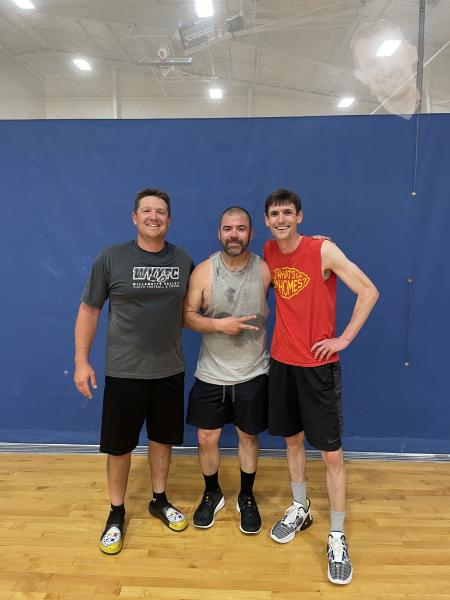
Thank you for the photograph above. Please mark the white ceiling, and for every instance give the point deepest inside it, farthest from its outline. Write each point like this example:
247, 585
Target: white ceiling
289, 49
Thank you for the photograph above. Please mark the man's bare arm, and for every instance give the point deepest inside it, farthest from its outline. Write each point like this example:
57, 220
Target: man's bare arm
333, 259
266, 274
85, 330
193, 302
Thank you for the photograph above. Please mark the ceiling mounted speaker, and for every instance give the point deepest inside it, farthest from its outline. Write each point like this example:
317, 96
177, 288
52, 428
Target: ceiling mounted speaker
166, 62
236, 23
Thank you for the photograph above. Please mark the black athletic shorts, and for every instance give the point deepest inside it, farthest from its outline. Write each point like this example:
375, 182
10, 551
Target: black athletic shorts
128, 403
244, 404
306, 399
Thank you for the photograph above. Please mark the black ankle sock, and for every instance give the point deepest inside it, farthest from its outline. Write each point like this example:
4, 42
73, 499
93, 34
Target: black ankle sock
247, 480
116, 514
212, 482
160, 499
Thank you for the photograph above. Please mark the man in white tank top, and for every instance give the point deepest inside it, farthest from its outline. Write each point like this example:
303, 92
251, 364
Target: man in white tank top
226, 302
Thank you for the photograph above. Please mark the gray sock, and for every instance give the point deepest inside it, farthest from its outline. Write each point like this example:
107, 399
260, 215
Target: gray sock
299, 492
337, 521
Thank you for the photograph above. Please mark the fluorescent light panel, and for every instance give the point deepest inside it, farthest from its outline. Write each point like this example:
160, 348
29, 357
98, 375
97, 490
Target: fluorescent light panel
215, 93
388, 47
24, 4
346, 102
82, 64
204, 8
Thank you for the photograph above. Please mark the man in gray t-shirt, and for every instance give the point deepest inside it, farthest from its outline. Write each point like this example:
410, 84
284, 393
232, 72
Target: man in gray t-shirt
145, 282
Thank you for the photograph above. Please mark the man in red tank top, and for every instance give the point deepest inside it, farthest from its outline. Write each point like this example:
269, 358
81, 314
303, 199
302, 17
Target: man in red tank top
305, 377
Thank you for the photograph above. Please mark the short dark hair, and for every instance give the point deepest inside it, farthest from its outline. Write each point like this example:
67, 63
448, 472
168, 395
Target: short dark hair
151, 192
231, 210
282, 197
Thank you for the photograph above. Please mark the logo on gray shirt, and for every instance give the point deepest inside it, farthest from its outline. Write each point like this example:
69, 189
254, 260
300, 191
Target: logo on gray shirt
156, 277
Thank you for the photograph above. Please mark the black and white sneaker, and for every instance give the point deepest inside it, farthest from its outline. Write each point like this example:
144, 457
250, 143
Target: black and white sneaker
209, 505
297, 518
250, 517
339, 566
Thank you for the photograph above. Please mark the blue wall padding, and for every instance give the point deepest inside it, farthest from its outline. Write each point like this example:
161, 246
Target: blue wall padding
67, 190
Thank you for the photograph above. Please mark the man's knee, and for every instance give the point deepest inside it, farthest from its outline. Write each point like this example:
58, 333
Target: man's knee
333, 460
208, 437
246, 439
294, 442
118, 463
119, 458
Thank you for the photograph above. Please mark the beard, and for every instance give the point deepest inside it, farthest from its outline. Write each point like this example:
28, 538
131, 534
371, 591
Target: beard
234, 247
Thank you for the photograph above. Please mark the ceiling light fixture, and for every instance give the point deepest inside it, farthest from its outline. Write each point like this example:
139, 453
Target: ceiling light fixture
204, 8
346, 102
215, 93
388, 47
82, 64
24, 4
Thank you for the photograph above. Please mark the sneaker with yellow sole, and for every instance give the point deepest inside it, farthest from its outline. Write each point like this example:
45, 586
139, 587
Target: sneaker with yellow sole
169, 515
111, 540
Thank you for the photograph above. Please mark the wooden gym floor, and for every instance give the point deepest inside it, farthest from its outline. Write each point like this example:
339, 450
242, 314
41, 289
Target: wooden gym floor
53, 508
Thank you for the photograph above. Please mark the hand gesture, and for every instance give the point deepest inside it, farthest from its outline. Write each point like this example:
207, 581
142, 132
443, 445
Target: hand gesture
235, 325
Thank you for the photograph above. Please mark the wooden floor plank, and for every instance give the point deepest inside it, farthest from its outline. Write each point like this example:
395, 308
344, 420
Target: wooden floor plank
53, 508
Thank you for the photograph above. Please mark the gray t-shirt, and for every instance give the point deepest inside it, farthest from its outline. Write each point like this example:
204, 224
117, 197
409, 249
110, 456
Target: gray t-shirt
145, 292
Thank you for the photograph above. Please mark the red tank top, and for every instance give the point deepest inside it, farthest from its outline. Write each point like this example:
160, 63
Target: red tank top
305, 302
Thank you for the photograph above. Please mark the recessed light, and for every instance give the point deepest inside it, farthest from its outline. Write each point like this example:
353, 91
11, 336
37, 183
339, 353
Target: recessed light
215, 93
204, 8
24, 4
388, 47
82, 64
346, 102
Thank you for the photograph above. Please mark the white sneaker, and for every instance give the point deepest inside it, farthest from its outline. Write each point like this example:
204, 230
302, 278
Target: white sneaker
295, 519
339, 566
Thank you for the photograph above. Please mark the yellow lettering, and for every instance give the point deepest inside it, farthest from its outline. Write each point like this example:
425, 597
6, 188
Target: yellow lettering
289, 281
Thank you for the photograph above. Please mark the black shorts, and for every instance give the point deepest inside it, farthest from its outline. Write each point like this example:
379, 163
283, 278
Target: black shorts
306, 399
128, 403
244, 404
